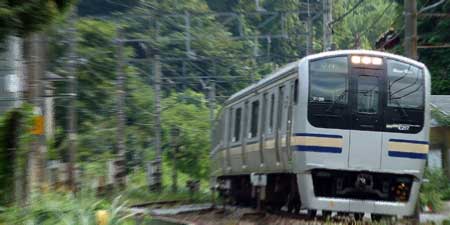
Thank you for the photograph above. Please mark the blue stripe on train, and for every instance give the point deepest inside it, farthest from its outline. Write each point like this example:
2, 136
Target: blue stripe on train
409, 141
411, 155
307, 148
318, 135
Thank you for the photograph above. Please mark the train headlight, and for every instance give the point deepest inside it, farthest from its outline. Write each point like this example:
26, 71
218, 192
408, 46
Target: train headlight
366, 60
356, 59
377, 61
401, 191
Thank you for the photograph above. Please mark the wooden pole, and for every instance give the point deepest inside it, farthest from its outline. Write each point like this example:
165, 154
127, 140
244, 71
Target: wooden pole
410, 43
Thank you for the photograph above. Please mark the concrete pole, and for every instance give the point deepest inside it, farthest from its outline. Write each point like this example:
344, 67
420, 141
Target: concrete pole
119, 177
157, 89
327, 18
72, 112
174, 133
32, 92
309, 38
212, 106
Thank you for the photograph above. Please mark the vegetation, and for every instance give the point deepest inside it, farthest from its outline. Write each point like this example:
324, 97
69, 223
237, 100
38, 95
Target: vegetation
184, 106
22, 17
66, 209
430, 30
435, 190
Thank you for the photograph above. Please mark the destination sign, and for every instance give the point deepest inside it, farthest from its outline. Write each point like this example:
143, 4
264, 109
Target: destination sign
330, 65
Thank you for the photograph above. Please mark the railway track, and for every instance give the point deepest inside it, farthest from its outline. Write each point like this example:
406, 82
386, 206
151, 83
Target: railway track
205, 214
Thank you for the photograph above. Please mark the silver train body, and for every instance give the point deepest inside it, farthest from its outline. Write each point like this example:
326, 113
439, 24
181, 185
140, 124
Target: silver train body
342, 131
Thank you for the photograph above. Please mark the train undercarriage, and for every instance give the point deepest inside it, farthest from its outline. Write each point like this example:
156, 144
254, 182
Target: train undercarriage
280, 190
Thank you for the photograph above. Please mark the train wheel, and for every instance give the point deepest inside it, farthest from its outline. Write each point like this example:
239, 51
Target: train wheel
326, 214
312, 213
343, 214
358, 216
297, 207
376, 217
290, 206
380, 217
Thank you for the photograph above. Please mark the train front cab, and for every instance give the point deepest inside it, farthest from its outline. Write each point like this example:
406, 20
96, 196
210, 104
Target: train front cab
362, 145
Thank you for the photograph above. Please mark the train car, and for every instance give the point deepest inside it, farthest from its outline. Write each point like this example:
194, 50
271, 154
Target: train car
340, 131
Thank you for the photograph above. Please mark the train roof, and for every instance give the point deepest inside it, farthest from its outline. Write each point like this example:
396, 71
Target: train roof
294, 64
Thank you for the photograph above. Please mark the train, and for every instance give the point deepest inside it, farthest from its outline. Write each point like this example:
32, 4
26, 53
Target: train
343, 131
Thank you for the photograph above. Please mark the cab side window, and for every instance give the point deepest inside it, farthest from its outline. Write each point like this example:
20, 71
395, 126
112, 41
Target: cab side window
237, 125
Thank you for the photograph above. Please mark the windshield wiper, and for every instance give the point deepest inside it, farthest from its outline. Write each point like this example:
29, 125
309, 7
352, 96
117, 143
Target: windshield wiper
402, 110
339, 98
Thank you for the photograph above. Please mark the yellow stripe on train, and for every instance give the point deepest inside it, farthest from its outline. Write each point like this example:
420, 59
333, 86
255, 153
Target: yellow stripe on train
317, 141
295, 140
407, 147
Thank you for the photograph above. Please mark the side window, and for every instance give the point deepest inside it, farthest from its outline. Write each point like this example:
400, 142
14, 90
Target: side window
271, 113
254, 119
296, 92
264, 115
280, 106
237, 125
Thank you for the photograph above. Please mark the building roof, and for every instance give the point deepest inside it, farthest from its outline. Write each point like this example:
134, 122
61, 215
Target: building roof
441, 103
50, 76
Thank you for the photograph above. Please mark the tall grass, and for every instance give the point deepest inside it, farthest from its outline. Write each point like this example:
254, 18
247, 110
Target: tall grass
65, 209
437, 189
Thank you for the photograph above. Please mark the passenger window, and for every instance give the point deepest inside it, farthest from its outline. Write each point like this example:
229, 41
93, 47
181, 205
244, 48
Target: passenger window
280, 106
264, 115
295, 92
254, 119
272, 108
237, 125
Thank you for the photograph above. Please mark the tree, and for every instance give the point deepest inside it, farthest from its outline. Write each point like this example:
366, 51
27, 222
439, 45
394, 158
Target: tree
188, 111
22, 17
434, 31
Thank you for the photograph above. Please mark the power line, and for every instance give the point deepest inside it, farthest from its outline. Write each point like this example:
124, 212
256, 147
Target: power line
346, 13
378, 18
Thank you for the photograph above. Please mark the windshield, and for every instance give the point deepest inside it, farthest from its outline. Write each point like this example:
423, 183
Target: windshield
386, 97
328, 80
405, 85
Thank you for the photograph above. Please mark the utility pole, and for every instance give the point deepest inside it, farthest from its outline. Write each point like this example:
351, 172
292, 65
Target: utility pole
30, 94
212, 106
72, 113
411, 52
410, 43
33, 71
254, 60
174, 133
357, 41
119, 177
309, 26
327, 18
157, 89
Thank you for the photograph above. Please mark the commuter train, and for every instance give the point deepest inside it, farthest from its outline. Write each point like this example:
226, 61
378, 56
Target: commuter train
341, 131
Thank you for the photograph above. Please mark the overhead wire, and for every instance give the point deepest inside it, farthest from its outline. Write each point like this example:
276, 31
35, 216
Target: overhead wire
341, 17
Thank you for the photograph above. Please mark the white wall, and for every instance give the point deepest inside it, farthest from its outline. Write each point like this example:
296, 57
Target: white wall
10, 74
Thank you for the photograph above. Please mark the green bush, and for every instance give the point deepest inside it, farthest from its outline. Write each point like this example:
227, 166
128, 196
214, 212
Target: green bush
435, 190
65, 209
